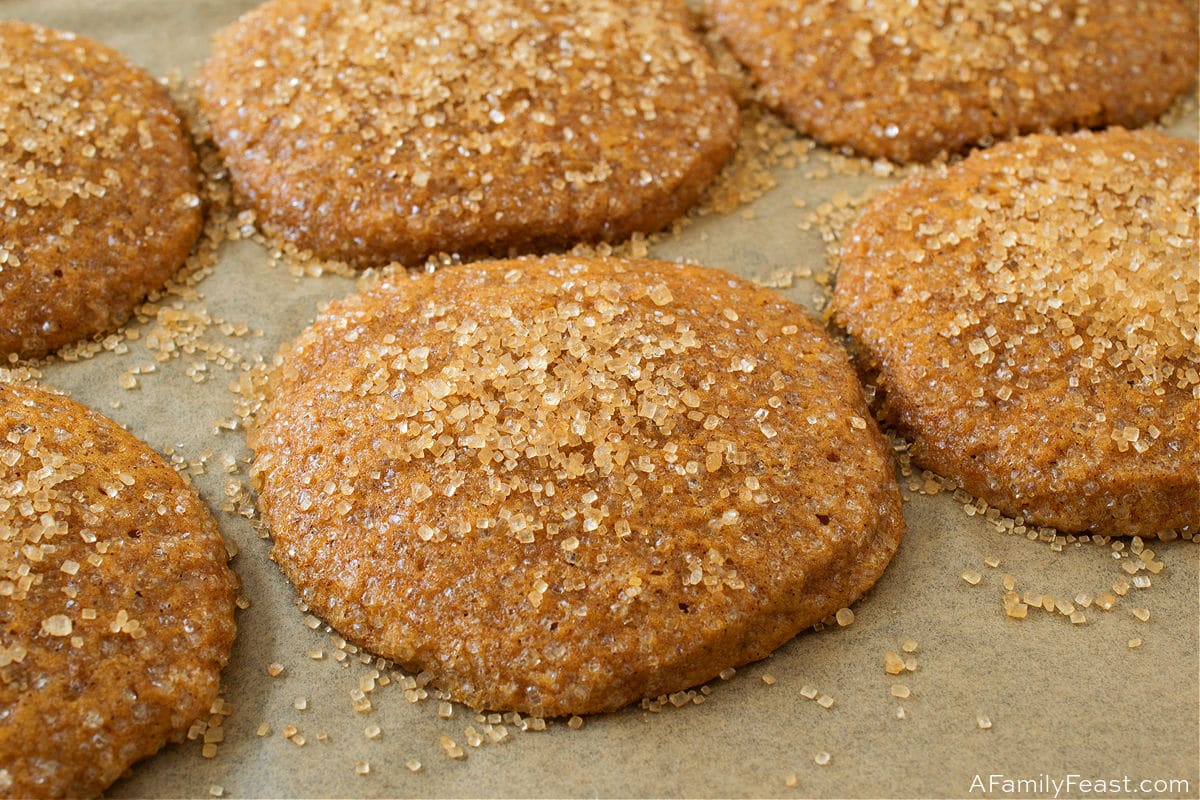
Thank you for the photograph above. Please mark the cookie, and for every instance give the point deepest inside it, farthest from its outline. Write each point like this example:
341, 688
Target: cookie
99, 200
116, 604
561, 485
909, 81
372, 131
1030, 317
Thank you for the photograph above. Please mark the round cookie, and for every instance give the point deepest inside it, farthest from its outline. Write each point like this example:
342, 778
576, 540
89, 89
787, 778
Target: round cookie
909, 81
99, 199
1030, 317
561, 485
116, 604
371, 131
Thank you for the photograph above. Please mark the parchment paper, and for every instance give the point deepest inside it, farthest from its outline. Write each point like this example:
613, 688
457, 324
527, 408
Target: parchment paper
1062, 698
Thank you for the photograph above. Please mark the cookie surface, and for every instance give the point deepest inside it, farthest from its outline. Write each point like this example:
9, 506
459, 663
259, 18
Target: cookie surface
908, 81
99, 199
372, 131
561, 485
1030, 316
116, 604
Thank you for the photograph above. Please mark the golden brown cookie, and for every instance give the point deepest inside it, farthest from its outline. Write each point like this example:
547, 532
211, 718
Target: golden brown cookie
563, 484
99, 197
371, 131
116, 604
910, 80
1030, 316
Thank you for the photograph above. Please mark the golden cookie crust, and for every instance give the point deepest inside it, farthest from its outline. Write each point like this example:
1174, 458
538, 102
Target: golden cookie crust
371, 131
99, 200
562, 484
909, 81
116, 603
1030, 317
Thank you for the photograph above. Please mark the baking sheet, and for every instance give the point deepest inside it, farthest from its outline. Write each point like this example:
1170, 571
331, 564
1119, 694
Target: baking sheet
1062, 699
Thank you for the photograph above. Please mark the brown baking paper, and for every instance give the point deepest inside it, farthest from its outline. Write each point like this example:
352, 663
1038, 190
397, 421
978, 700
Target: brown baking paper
1062, 699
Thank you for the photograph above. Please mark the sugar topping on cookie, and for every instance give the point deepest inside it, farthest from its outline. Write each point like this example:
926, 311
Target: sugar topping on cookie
370, 131
643, 473
99, 193
912, 80
1030, 315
